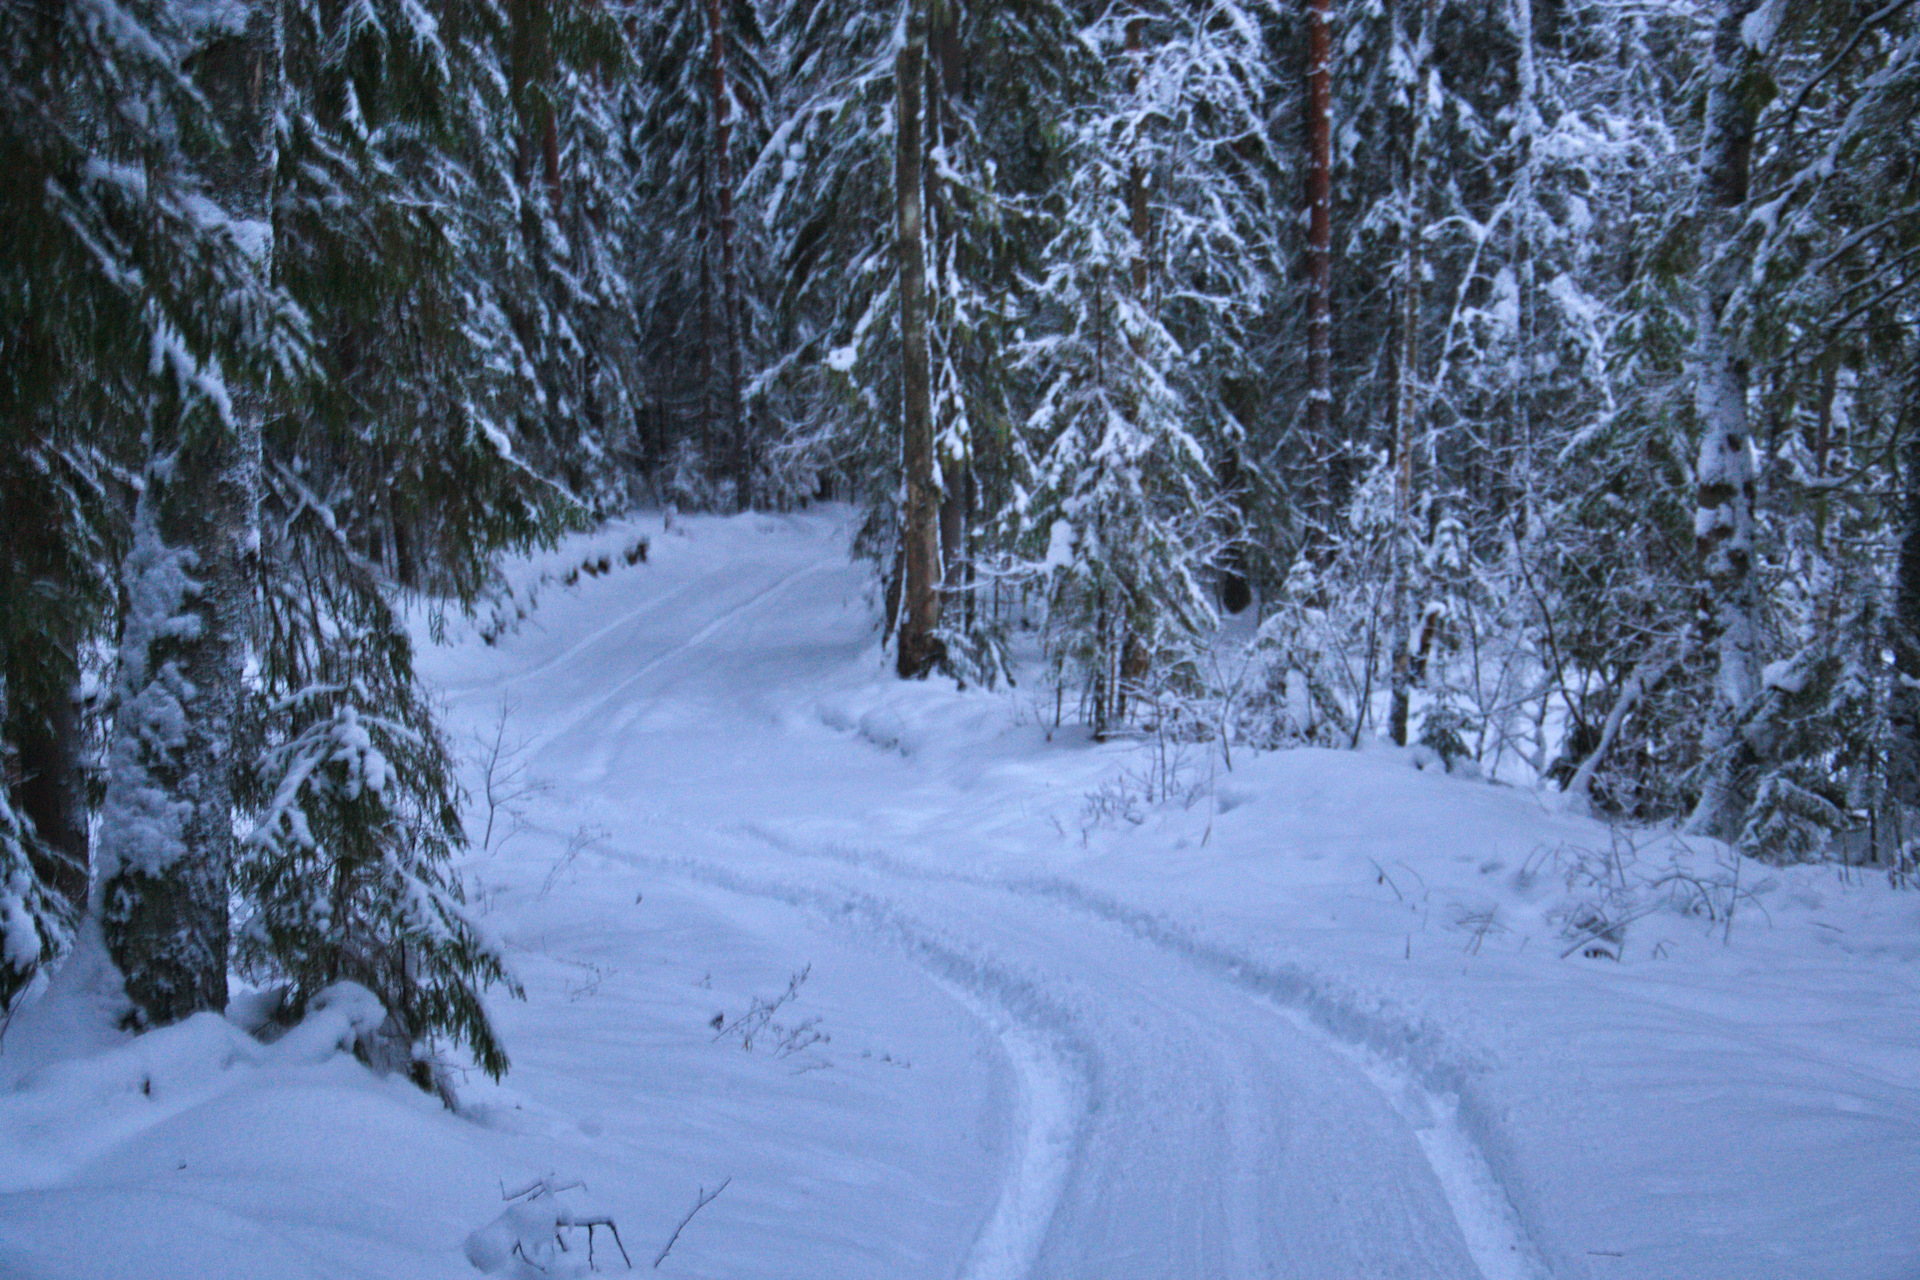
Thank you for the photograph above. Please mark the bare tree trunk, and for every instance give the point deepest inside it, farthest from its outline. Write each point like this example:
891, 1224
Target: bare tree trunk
166, 834
1121, 643
1400, 644
1103, 677
1903, 764
740, 449
919, 646
709, 361
1319, 269
1724, 506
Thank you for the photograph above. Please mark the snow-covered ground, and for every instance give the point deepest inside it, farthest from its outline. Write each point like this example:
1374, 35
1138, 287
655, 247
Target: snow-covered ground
1322, 1016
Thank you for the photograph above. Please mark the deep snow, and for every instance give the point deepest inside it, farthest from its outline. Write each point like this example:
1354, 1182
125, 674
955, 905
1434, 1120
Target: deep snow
1321, 1018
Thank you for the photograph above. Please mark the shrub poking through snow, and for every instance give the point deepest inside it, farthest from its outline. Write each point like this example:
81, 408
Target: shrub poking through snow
530, 1239
758, 1023
1610, 889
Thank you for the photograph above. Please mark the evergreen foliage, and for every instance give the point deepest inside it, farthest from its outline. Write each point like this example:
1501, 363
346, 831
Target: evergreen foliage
346, 874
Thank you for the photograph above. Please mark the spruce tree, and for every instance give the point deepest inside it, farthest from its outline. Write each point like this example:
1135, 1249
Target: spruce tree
167, 823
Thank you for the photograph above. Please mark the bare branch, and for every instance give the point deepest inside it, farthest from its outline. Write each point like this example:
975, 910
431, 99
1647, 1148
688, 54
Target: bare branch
702, 1198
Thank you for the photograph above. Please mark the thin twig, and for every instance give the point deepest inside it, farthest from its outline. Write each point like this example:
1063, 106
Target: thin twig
701, 1201
590, 1224
1599, 933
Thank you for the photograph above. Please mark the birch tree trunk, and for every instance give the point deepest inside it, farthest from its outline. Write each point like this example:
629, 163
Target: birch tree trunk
1646, 674
919, 647
1724, 473
166, 834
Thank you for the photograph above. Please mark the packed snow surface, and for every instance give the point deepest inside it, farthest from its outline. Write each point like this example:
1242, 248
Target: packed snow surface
896, 981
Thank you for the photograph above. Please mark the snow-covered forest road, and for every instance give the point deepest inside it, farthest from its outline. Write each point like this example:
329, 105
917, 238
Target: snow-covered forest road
1167, 1119
900, 982
1167, 1072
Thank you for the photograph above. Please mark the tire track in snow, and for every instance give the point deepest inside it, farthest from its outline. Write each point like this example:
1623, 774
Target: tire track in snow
1430, 1095
1055, 1068
599, 633
1047, 1115
584, 710
1487, 1219
1034, 1033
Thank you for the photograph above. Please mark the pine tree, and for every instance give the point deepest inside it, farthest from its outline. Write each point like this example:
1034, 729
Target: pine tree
280, 290
346, 873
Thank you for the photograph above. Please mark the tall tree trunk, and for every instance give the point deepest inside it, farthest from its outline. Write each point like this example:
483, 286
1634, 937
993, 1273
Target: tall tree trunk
1126, 658
1724, 505
166, 834
1903, 768
919, 647
709, 347
1139, 214
1512, 468
1319, 273
739, 444
952, 444
1406, 409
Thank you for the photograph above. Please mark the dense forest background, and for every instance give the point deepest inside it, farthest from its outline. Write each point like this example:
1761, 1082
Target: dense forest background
1537, 380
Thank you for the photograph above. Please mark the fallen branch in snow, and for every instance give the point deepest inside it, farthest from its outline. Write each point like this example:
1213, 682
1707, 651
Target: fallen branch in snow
590, 1224
531, 1230
701, 1200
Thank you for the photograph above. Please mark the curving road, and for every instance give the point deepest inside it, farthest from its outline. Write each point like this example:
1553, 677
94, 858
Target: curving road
1172, 1120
